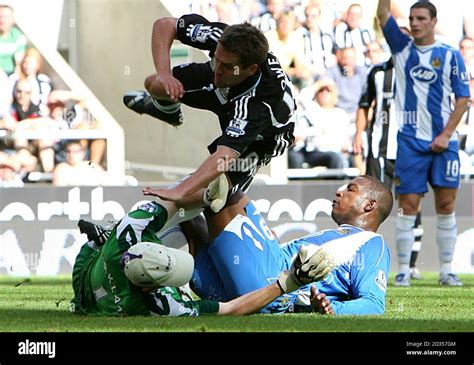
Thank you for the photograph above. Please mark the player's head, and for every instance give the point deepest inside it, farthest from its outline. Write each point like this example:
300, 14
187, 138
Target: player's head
241, 49
365, 202
423, 21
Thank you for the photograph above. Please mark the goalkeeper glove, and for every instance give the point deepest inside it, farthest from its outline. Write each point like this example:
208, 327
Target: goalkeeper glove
311, 264
215, 195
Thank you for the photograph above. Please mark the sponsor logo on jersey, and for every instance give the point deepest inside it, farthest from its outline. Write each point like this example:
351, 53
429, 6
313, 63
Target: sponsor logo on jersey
381, 280
236, 128
424, 74
200, 33
149, 207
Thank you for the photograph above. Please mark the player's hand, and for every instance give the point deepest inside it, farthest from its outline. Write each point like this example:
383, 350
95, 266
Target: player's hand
172, 86
316, 264
320, 303
311, 264
165, 194
440, 143
215, 195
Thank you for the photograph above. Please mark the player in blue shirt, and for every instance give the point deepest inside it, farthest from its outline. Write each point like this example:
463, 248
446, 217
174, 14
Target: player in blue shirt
244, 255
427, 74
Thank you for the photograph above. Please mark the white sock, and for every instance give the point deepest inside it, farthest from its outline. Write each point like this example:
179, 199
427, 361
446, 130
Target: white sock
404, 239
416, 246
174, 238
165, 106
446, 236
182, 215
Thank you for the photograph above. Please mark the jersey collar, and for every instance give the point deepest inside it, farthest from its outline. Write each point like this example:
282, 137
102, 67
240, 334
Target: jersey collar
246, 86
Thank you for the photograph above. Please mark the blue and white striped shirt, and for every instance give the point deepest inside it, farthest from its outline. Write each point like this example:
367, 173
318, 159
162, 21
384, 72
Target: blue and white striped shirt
426, 77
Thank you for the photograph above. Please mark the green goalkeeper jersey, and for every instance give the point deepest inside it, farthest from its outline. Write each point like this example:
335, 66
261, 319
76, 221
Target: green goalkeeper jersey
101, 287
100, 284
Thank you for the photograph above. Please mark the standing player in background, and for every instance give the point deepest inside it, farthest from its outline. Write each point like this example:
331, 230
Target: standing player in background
427, 73
243, 84
377, 96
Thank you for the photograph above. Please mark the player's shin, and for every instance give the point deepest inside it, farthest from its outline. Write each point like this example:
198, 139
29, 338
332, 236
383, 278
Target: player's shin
446, 233
404, 239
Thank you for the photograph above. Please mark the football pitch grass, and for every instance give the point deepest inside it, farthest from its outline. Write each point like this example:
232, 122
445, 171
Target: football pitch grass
42, 305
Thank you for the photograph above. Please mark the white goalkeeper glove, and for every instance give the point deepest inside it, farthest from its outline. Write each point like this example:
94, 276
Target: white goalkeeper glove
215, 195
311, 264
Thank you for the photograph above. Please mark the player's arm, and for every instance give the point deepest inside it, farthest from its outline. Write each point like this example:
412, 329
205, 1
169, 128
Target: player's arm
165, 84
361, 124
396, 39
383, 12
310, 265
460, 86
440, 143
362, 114
210, 169
250, 302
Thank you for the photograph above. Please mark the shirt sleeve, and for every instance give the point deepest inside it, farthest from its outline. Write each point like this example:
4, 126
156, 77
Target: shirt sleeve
459, 76
196, 31
396, 39
368, 92
247, 121
368, 275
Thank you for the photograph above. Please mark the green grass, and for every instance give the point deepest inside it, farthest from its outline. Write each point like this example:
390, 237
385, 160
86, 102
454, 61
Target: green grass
41, 305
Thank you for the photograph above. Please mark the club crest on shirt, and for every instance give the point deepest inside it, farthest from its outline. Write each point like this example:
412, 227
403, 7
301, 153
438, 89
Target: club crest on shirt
236, 128
200, 33
343, 230
149, 207
436, 62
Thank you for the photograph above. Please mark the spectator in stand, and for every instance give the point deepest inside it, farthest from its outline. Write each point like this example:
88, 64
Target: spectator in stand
350, 80
41, 85
267, 20
23, 110
318, 45
12, 41
322, 131
375, 54
67, 107
350, 33
5, 96
227, 12
9, 172
76, 170
466, 131
286, 44
466, 47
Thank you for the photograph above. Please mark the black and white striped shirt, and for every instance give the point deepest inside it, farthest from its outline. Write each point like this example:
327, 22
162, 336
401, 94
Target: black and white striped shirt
257, 114
383, 128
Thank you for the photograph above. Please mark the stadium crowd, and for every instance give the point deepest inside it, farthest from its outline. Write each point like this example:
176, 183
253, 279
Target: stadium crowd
317, 41
30, 102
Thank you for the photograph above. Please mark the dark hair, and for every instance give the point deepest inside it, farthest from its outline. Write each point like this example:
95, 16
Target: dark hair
247, 42
379, 191
426, 5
